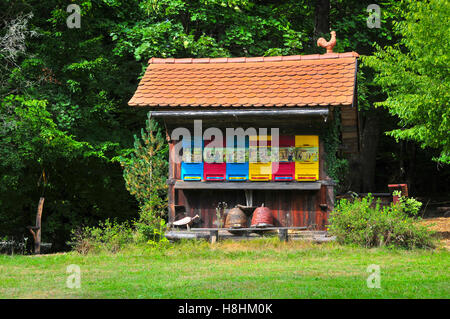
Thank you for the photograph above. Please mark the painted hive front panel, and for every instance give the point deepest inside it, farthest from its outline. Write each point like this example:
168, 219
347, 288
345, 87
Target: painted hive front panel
306, 157
237, 165
214, 166
192, 161
260, 164
283, 167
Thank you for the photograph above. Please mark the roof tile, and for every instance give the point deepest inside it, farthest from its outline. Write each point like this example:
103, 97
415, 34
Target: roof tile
280, 81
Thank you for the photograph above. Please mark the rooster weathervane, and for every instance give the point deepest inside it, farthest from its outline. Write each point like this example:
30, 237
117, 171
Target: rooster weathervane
321, 42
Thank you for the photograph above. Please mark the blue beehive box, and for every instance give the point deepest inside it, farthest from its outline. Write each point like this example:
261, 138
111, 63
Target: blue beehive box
237, 159
192, 163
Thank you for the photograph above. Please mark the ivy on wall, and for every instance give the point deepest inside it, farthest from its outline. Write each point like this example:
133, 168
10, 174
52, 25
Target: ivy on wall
335, 167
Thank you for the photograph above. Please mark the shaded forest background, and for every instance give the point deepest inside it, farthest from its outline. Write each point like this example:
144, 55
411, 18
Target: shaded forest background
64, 115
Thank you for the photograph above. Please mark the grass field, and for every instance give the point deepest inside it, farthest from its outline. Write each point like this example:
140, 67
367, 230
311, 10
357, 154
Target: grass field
259, 269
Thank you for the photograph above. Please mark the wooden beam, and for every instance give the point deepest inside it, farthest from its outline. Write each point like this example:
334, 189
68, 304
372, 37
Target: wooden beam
252, 228
249, 185
303, 111
171, 189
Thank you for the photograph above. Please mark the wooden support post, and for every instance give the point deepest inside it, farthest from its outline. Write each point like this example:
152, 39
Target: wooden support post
171, 188
36, 230
214, 236
249, 197
283, 235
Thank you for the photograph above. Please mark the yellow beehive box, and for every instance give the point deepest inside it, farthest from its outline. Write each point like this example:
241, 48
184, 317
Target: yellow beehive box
259, 139
306, 158
260, 171
260, 165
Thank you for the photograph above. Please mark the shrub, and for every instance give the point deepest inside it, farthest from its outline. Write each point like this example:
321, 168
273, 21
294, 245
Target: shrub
109, 236
409, 205
112, 236
367, 224
149, 227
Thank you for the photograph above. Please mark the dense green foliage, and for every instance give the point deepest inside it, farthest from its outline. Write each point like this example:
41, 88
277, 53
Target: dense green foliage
415, 75
366, 223
145, 174
62, 112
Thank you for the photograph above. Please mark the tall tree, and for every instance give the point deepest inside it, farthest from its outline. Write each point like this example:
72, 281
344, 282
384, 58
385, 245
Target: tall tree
349, 20
415, 76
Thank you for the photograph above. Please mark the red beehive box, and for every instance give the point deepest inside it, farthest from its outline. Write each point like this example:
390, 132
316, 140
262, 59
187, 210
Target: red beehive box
284, 168
216, 170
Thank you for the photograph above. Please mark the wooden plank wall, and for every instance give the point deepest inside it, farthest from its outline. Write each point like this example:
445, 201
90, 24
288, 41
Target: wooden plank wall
289, 208
349, 130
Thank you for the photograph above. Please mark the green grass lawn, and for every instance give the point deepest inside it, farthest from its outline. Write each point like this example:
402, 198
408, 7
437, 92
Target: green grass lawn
261, 269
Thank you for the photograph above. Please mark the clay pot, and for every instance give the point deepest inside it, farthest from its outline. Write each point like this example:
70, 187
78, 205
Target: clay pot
262, 217
236, 219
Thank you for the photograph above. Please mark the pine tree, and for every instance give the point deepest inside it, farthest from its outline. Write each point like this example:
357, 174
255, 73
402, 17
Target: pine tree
145, 174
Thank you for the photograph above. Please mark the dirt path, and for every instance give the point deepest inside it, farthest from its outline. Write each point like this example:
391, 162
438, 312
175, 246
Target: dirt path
442, 226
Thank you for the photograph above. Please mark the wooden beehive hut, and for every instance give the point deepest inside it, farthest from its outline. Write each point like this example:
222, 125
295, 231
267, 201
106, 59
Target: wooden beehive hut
302, 95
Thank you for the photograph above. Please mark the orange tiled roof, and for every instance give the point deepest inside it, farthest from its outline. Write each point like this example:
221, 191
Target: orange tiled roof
307, 80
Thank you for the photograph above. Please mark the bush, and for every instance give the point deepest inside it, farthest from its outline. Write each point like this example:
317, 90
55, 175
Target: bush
409, 205
112, 236
149, 227
109, 236
367, 224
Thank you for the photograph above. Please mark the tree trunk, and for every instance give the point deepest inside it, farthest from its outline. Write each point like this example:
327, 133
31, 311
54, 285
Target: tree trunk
321, 18
411, 171
36, 230
37, 244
